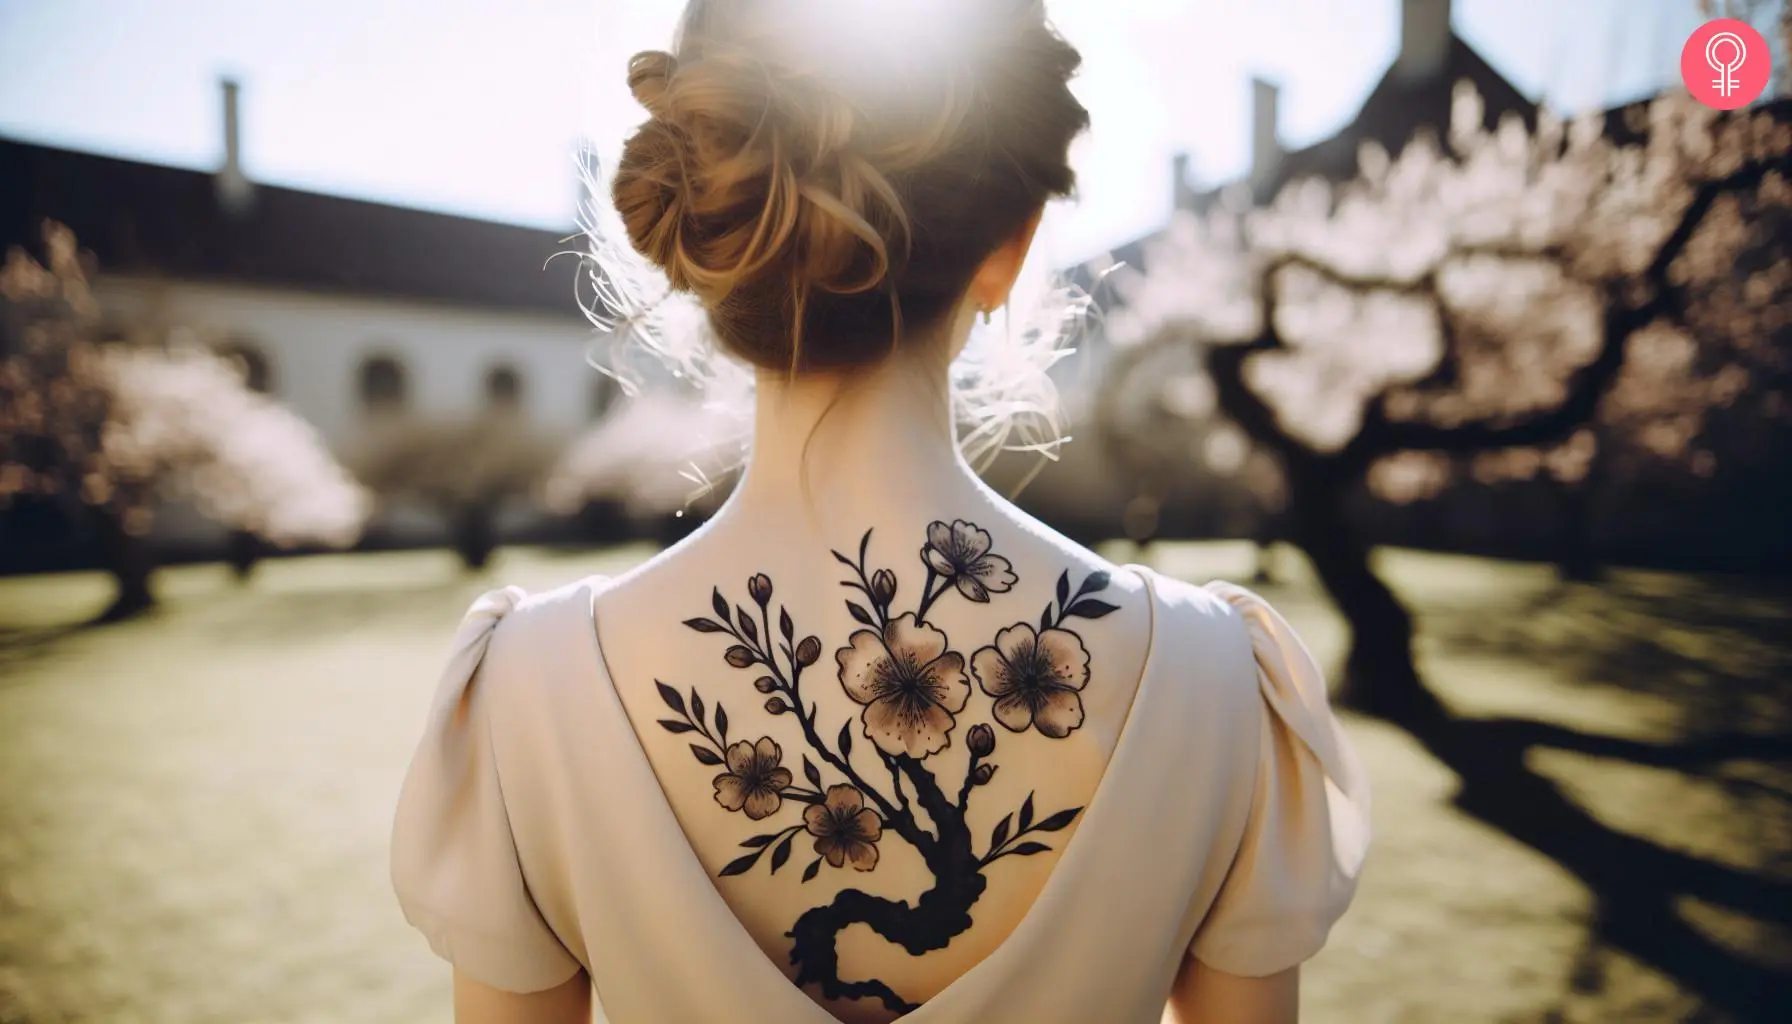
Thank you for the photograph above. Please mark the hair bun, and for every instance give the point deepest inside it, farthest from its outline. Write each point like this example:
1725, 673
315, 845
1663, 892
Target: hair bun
649, 74
801, 172
739, 180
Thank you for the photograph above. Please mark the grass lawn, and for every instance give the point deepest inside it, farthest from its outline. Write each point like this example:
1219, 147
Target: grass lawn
196, 804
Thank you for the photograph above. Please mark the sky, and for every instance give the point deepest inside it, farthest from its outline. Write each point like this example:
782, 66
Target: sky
474, 106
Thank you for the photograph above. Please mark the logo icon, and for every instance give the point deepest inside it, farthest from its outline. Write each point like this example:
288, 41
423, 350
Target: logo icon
1725, 64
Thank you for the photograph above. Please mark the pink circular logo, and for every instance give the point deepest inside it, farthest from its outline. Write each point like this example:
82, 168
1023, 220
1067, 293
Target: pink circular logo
1725, 64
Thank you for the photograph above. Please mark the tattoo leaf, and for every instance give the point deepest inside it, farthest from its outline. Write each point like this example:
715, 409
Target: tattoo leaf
673, 725
1029, 849
1090, 608
1045, 618
722, 722
861, 614
1093, 582
718, 603
698, 711
670, 696
846, 740
843, 560
756, 842
705, 755
748, 627
1064, 587
741, 865
812, 773
864, 544
704, 626
810, 871
1058, 820
1000, 834
1026, 813
785, 626
782, 853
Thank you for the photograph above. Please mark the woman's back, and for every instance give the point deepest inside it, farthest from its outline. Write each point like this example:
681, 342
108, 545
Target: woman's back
946, 700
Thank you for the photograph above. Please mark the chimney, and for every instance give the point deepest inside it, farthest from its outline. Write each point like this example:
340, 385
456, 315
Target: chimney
1181, 190
1266, 145
1424, 40
235, 191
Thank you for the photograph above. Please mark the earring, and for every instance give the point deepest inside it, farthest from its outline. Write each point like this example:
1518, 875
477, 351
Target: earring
987, 315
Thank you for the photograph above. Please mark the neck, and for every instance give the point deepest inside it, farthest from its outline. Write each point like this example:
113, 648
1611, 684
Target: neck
844, 445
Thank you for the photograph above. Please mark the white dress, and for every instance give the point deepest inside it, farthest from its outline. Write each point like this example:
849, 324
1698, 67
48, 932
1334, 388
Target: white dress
533, 839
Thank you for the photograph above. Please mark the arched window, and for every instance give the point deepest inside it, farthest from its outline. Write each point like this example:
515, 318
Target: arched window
604, 392
251, 362
384, 387
504, 388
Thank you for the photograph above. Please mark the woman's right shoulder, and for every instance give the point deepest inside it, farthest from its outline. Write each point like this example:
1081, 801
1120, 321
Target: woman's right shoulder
509, 639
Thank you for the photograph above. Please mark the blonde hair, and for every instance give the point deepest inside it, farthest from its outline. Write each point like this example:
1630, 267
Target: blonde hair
825, 189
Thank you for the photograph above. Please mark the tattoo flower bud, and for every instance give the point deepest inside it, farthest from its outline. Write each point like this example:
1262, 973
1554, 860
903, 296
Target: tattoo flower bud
760, 586
883, 586
765, 684
739, 657
776, 706
982, 740
809, 651
983, 774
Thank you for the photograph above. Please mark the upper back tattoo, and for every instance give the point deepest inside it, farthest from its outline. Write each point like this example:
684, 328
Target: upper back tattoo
914, 689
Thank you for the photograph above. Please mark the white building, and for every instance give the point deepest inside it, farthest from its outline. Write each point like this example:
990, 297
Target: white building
339, 307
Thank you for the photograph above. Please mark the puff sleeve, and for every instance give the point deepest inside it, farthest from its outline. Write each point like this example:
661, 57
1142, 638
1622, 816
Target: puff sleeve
454, 860
1303, 848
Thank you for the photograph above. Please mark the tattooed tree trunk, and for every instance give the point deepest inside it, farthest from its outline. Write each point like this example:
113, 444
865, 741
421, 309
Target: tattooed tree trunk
940, 914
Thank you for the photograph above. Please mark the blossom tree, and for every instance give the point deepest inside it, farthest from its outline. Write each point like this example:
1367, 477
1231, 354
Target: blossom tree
109, 428
914, 687
1504, 295
467, 470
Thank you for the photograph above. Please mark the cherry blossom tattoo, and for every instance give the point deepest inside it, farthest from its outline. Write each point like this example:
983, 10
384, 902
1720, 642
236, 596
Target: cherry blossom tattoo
914, 690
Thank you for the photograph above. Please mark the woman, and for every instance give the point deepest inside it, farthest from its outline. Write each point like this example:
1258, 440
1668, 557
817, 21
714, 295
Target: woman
872, 743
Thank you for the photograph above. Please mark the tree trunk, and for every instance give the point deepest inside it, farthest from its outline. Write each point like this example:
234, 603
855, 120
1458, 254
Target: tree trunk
1380, 677
1576, 558
128, 558
242, 550
930, 923
474, 534
1264, 539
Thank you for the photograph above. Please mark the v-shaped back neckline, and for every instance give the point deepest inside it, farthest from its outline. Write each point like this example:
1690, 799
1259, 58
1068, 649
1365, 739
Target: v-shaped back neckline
1083, 845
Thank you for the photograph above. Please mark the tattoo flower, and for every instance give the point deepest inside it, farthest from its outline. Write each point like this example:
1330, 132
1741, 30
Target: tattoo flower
960, 553
1035, 679
754, 780
981, 740
910, 684
883, 587
760, 586
844, 828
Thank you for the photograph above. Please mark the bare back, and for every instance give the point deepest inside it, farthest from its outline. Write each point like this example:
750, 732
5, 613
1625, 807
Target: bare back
878, 740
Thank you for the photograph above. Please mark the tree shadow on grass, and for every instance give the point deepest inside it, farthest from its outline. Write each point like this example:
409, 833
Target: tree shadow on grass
284, 618
246, 617
1723, 660
20, 649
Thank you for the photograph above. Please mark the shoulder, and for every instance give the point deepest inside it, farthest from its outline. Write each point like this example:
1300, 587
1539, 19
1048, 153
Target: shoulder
1199, 624
512, 643
519, 625
1039, 551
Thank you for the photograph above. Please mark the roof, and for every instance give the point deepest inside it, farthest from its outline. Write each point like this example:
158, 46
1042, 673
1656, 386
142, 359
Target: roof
140, 218
1395, 111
